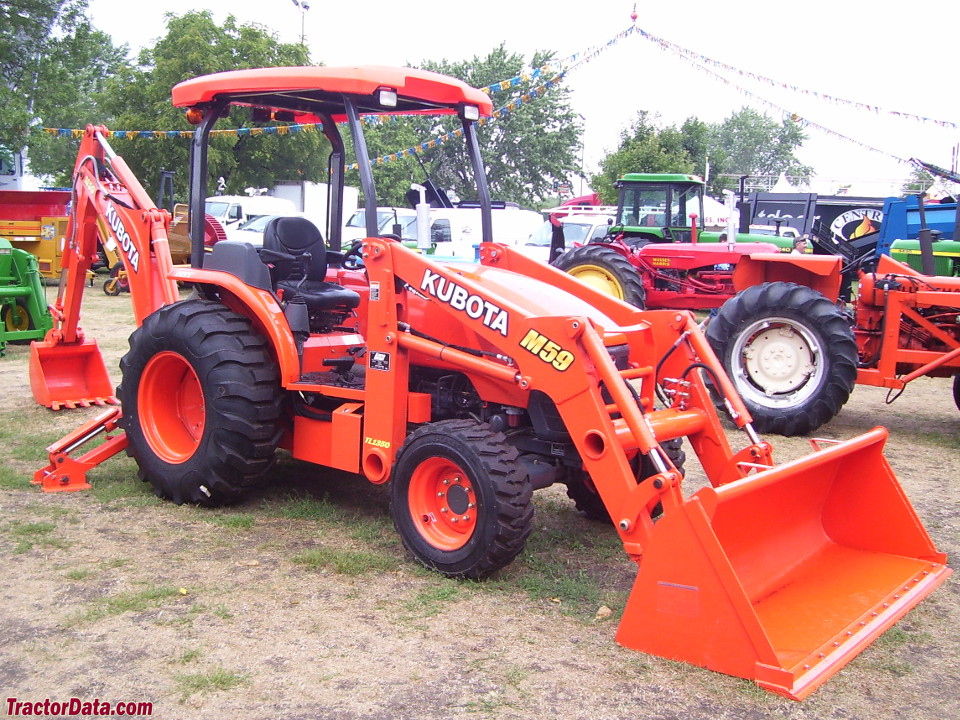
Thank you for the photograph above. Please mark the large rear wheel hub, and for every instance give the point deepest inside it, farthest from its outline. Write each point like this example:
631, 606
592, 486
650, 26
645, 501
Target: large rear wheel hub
782, 361
779, 360
171, 407
599, 279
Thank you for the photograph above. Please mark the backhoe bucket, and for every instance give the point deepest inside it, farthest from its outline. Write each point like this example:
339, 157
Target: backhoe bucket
784, 576
69, 375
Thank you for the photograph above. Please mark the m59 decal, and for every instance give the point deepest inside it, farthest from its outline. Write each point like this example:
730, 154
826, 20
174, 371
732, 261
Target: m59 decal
547, 350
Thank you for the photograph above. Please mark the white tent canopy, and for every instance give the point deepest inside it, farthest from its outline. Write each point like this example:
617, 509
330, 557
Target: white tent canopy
783, 186
715, 214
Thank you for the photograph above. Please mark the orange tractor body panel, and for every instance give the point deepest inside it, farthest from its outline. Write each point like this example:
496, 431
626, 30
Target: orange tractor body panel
820, 272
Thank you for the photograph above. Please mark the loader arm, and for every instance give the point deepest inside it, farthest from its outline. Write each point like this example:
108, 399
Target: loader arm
728, 576
560, 347
108, 205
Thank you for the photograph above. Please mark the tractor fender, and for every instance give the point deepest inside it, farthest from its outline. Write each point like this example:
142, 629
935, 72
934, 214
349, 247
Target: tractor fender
258, 304
820, 272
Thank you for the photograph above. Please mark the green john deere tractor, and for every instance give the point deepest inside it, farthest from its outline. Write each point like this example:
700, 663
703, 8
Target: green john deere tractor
658, 208
24, 314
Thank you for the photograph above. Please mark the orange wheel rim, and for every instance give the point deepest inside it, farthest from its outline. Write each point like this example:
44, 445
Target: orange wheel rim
171, 408
443, 503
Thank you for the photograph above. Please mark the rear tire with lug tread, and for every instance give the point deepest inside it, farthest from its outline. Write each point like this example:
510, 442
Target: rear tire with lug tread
201, 403
790, 353
606, 270
459, 500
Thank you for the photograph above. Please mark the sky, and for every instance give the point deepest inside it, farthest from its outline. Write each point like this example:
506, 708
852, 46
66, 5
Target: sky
853, 51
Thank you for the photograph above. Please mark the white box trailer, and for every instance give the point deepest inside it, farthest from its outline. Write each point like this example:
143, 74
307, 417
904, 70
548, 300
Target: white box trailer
310, 198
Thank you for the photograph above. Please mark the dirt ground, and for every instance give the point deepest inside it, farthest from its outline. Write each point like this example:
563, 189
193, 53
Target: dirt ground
301, 603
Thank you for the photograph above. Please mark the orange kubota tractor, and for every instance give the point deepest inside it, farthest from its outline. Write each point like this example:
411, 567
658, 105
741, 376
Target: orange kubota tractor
467, 387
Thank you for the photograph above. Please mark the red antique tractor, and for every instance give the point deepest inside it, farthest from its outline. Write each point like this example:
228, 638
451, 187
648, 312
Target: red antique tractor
795, 354
655, 255
466, 387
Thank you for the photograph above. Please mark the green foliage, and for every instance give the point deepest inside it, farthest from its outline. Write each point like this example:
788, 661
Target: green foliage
644, 147
215, 680
392, 179
344, 562
150, 597
232, 521
746, 143
54, 65
757, 145
920, 180
525, 150
29, 535
698, 142
188, 656
139, 99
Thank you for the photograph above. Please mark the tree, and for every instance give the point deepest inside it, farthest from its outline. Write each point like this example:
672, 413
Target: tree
526, 149
754, 144
644, 148
195, 45
54, 63
746, 143
920, 180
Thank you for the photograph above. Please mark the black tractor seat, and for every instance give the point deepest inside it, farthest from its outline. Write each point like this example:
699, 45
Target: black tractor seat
303, 271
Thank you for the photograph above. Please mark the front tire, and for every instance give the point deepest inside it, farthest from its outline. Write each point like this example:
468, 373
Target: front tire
606, 270
201, 403
459, 500
790, 353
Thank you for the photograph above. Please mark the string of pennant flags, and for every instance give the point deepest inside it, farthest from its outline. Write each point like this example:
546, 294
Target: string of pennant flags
703, 60
805, 122
565, 66
559, 69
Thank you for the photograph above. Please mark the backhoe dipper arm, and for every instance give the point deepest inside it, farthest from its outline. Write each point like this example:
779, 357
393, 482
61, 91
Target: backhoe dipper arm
110, 204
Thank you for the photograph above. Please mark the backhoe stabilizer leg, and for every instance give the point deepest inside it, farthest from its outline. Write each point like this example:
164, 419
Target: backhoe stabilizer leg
66, 473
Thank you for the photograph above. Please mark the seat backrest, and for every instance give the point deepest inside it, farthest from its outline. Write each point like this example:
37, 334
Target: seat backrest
295, 236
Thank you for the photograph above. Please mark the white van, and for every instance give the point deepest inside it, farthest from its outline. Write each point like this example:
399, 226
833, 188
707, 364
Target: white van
231, 210
456, 232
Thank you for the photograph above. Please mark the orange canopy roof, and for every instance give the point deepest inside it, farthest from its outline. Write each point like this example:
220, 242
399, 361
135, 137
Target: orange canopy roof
312, 91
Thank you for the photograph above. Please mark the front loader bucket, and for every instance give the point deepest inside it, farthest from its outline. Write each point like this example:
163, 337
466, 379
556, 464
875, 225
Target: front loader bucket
69, 375
784, 576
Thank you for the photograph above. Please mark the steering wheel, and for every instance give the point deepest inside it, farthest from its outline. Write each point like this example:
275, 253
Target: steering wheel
352, 258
